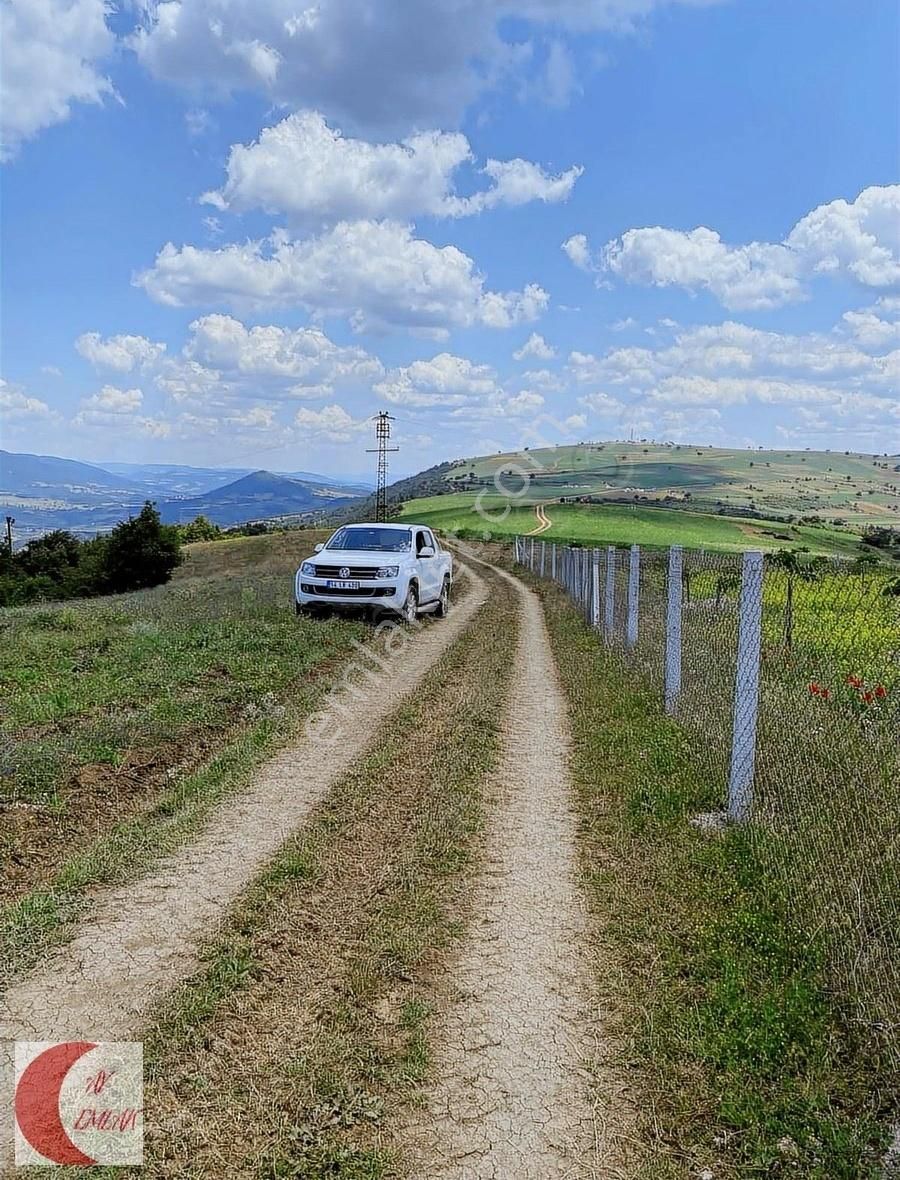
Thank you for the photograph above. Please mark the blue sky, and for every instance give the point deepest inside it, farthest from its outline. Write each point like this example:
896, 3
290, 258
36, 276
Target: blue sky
234, 229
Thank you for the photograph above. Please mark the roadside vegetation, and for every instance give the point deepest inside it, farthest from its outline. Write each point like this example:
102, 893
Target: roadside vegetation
138, 553
293, 1051
123, 720
739, 1062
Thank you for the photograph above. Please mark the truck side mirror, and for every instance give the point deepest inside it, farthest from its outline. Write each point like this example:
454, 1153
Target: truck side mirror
426, 551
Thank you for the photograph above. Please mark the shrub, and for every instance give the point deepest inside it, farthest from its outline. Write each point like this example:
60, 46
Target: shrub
140, 552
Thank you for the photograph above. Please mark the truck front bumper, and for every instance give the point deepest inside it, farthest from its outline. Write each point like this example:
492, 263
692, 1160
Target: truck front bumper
315, 592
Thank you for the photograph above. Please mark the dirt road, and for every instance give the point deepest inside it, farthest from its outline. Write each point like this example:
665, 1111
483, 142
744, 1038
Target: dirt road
543, 521
511, 1077
510, 1100
142, 937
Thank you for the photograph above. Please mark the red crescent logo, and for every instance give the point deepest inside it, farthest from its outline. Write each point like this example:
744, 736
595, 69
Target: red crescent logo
37, 1102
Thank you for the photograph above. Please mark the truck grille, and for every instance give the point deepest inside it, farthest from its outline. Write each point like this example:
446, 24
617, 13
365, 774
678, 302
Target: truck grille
356, 571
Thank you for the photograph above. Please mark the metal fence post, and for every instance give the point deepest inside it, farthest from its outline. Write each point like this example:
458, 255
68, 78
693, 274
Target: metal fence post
518, 550
746, 688
595, 588
609, 611
553, 561
673, 629
543, 556
634, 594
532, 555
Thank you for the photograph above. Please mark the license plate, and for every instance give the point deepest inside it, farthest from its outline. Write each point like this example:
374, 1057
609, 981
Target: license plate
342, 585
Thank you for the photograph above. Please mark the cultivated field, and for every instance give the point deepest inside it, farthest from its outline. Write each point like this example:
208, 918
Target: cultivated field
622, 524
860, 489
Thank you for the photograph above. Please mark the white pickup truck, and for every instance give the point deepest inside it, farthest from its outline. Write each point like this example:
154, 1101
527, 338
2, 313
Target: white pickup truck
385, 568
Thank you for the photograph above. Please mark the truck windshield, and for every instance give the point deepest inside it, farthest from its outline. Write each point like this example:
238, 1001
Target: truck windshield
375, 539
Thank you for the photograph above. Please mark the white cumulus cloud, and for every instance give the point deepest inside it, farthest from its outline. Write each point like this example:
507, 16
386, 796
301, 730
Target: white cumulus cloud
305, 169
331, 423
858, 239
302, 354
123, 353
377, 273
18, 405
374, 64
535, 346
445, 380
50, 53
112, 400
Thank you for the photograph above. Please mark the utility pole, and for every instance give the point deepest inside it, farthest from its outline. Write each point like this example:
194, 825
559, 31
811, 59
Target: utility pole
383, 422
10, 521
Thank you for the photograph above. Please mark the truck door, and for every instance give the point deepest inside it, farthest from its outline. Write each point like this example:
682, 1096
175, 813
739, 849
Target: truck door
427, 568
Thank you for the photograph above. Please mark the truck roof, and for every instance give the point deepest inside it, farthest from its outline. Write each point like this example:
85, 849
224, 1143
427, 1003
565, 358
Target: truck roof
385, 524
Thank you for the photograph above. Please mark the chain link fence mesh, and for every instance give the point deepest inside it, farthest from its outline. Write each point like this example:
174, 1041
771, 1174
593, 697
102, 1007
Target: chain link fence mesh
784, 675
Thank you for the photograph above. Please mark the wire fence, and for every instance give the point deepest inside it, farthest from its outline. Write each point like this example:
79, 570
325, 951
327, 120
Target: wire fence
785, 676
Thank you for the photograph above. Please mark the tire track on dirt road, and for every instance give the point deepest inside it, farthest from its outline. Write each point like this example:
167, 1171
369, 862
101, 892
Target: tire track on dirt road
512, 1069
142, 937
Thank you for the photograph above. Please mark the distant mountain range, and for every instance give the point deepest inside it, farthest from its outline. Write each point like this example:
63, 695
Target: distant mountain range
258, 496
45, 492
179, 480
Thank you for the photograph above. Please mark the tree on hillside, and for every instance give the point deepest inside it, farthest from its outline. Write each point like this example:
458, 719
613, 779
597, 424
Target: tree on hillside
53, 554
198, 529
140, 552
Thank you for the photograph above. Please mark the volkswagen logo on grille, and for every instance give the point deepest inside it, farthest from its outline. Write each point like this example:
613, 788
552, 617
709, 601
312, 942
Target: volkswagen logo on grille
345, 571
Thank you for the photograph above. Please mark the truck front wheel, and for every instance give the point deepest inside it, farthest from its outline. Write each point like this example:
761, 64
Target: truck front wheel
410, 609
443, 607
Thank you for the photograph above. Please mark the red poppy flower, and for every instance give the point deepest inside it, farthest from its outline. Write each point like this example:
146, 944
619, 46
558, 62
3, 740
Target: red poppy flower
868, 697
881, 692
825, 693
854, 682
814, 689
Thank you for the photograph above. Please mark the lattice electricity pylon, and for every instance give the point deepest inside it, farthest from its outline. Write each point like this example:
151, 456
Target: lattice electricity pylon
383, 422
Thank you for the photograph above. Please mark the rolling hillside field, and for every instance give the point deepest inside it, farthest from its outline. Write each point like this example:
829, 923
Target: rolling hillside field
623, 524
855, 488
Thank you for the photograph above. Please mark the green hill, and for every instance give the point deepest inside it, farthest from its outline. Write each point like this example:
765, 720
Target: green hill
847, 487
652, 494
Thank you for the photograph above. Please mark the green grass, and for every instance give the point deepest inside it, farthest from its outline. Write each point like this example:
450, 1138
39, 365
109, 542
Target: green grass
621, 524
126, 719
738, 1059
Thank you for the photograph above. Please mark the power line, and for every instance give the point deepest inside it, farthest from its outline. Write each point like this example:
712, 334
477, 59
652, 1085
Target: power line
383, 422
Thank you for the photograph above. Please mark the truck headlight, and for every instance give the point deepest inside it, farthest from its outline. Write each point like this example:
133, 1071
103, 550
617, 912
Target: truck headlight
308, 569
388, 571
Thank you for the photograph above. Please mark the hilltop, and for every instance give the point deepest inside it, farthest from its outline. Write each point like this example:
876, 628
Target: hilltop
842, 487
653, 494
262, 495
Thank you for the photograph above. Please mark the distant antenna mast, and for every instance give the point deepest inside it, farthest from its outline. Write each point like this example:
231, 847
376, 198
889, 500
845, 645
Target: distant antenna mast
383, 422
